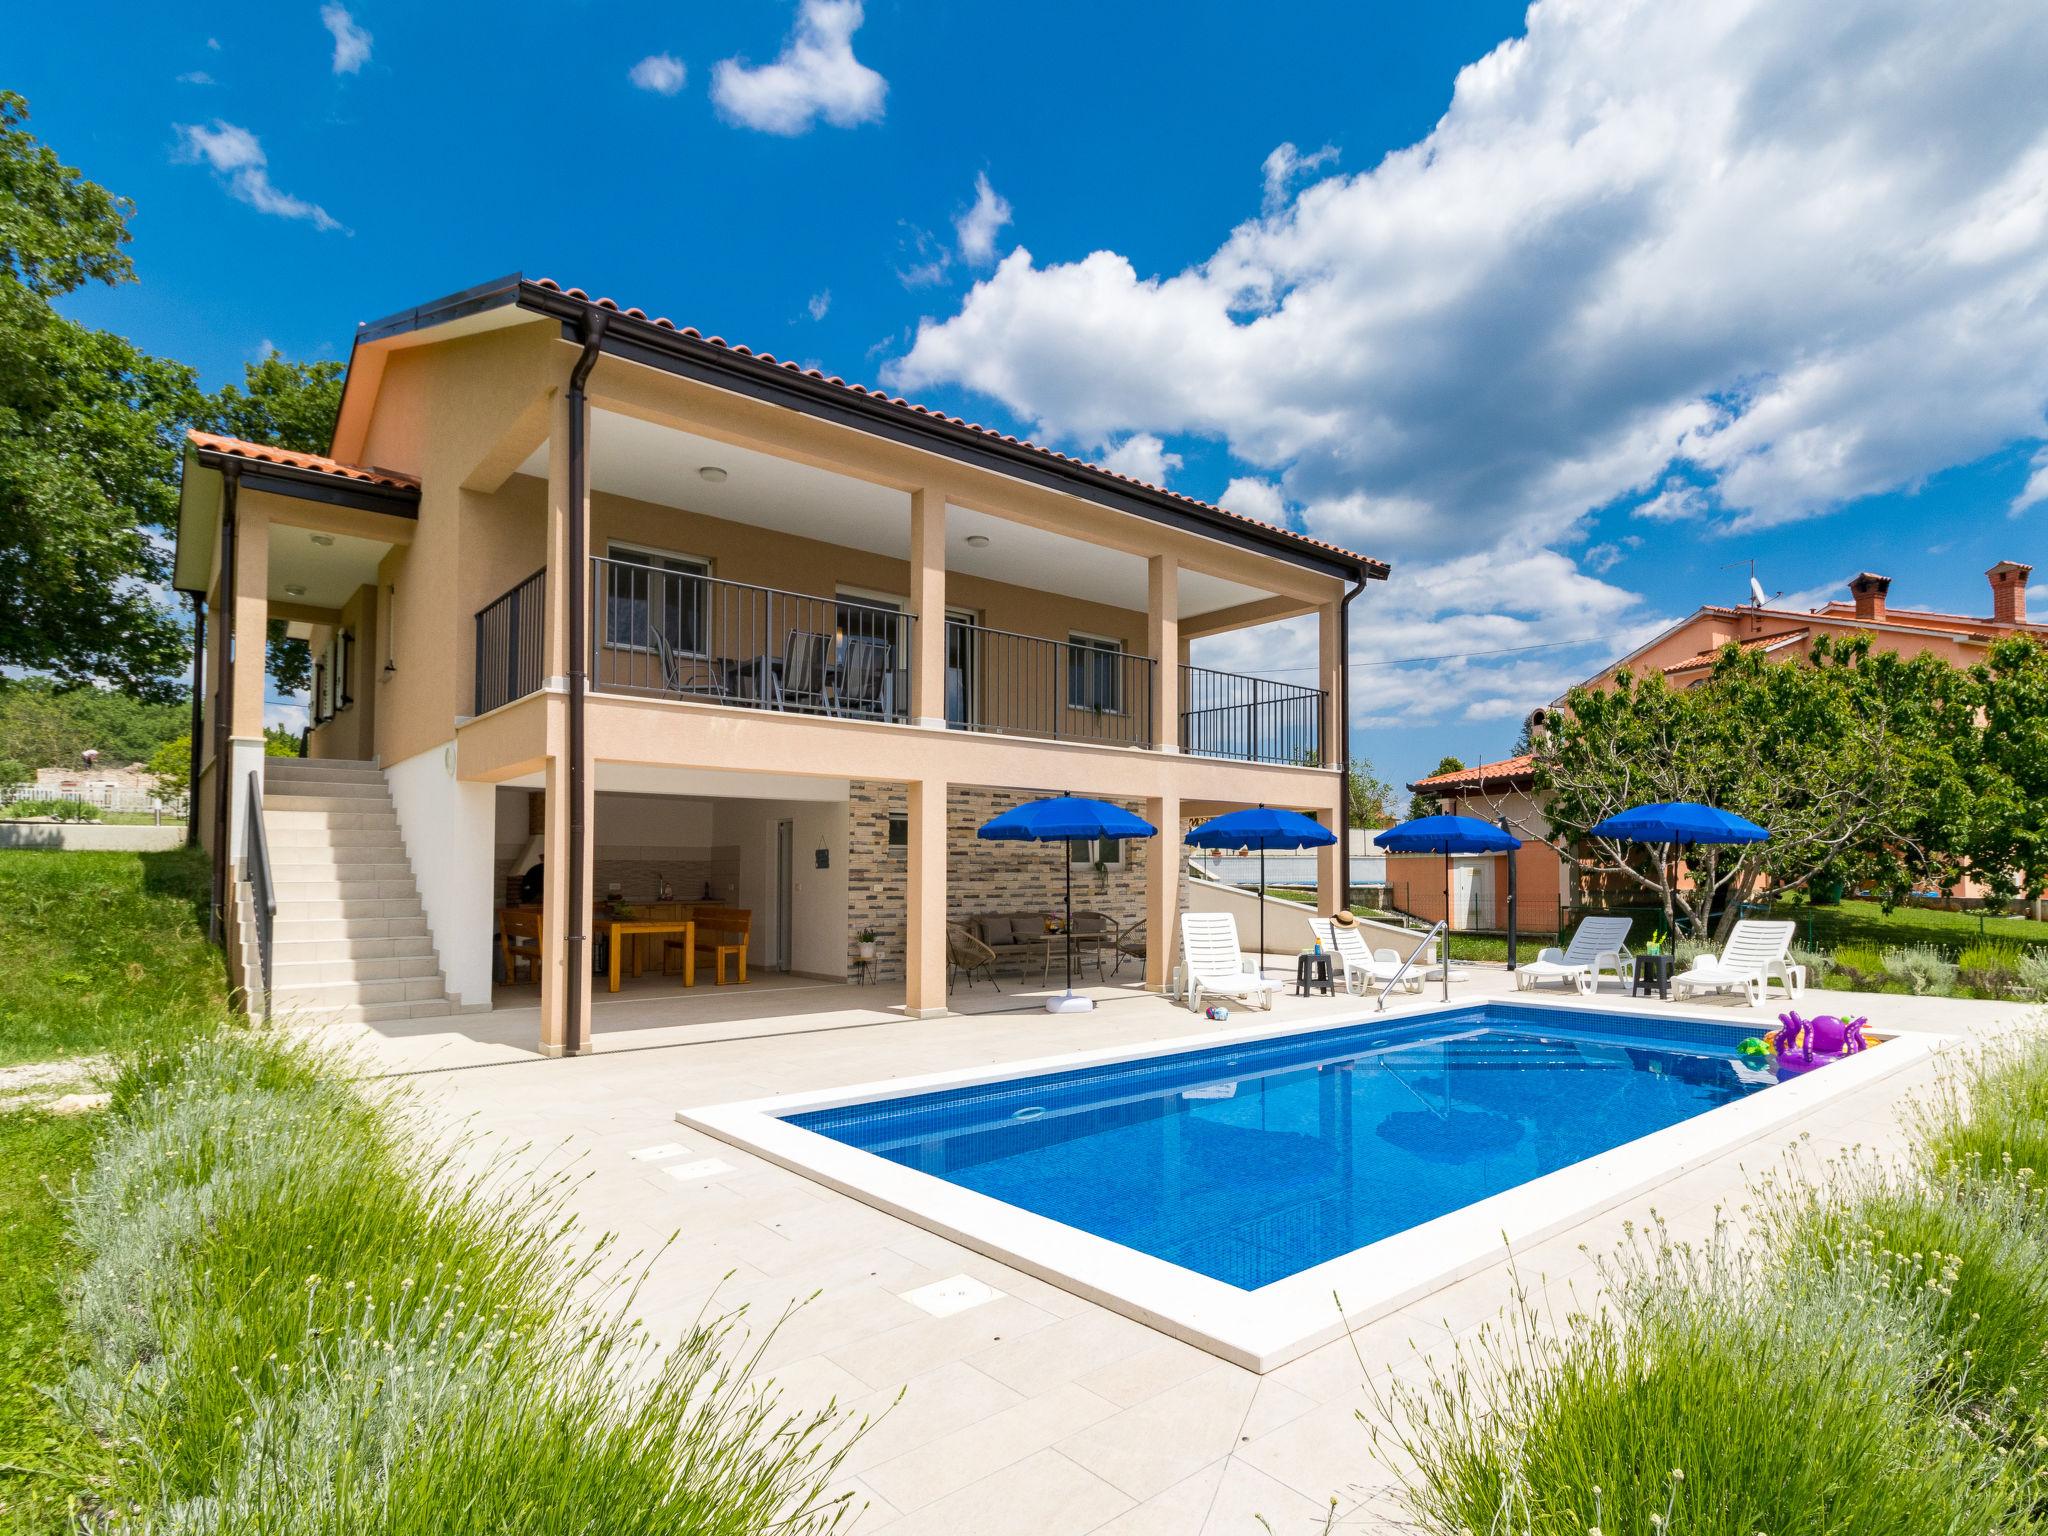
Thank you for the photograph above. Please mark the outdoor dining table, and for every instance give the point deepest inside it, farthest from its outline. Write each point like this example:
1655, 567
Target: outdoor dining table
629, 928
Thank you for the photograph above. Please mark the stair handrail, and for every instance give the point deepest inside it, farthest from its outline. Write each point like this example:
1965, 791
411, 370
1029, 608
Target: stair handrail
1427, 939
262, 890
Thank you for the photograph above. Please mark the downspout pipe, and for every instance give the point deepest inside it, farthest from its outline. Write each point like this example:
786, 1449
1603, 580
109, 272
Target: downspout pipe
576, 1028
198, 731
224, 709
1344, 739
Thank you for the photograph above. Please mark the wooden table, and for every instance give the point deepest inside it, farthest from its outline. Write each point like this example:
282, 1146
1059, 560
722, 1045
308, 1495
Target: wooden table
634, 927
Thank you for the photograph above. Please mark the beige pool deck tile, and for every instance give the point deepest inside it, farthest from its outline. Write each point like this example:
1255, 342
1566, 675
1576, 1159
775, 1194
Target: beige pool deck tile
952, 1462
1042, 1495
1146, 1449
1042, 1412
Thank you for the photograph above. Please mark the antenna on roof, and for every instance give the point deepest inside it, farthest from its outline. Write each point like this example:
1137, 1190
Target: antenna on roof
1756, 588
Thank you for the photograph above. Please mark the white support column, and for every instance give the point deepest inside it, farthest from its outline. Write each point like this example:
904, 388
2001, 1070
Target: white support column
928, 604
1329, 633
1162, 892
1162, 632
924, 961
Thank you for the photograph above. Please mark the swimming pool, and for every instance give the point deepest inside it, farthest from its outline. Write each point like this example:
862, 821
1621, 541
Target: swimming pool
1222, 1188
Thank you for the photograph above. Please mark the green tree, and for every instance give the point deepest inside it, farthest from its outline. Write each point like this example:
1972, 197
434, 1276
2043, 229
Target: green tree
2009, 770
1368, 796
89, 433
1420, 805
280, 742
1852, 760
285, 404
47, 725
171, 766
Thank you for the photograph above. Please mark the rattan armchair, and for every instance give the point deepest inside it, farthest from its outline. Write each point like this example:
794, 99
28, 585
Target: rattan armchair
965, 955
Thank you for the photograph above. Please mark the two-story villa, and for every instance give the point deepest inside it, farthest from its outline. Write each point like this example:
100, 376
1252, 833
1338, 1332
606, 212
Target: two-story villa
672, 619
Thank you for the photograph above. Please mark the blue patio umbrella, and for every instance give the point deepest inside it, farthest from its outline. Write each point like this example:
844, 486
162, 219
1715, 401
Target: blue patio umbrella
1677, 824
1065, 819
1447, 835
1262, 827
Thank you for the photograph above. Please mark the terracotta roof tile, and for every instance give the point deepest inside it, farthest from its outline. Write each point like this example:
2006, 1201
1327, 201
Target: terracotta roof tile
263, 453
1485, 773
1756, 643
720, 342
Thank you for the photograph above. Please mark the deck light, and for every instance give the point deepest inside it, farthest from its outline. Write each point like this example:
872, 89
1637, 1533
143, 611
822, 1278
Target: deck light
712, 473
324, 540
977, 541
292, 589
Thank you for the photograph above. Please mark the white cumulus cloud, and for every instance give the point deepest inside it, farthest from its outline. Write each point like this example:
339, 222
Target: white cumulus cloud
661, 73
1742, 262
815, 75
819, 303
237, 157
978, 227
351, 42
2035, 491
1141, 456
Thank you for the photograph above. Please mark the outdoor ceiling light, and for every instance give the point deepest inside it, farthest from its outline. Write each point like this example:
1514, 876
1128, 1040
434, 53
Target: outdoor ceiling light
712, 473
977, 541
324, 540
292, 589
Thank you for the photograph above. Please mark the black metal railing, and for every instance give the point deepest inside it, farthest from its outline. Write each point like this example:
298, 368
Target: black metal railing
661, 632
1225, 714
1057, 690
262, 891
511, 644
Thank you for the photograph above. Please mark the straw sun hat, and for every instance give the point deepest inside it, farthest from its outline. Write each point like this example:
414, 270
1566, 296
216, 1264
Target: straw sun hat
1344, 918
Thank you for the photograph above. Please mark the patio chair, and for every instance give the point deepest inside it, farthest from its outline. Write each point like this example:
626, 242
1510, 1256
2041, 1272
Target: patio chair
1214, 965
1129, 944
803, 684
1351, 957
863, 679
519, 940
966, 955
1756, 952
1600, 945
673, 682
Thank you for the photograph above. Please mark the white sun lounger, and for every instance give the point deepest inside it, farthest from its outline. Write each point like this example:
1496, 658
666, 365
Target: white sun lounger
1755, 953
1213, 964
1600, 945
1349, 952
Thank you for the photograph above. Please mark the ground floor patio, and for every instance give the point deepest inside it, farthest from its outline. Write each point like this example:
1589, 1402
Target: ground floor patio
1025, 1409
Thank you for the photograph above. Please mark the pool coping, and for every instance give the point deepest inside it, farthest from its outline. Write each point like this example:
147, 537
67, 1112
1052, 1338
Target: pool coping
1264, 1329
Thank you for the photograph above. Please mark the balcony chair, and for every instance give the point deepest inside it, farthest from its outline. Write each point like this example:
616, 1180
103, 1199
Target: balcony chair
804, 684
863, 679
672, 680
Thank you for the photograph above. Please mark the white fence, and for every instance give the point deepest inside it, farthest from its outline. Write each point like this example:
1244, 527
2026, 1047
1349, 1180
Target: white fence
108, 797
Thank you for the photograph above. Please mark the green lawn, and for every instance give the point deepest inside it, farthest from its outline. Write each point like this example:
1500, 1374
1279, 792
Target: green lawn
103, 951
50, 1468
1865, 922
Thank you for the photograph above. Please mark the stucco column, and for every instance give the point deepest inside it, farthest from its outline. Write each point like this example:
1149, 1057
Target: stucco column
555, 975
1328, 895
1329, 632
555, 647
1162, 636
1162, 892
249, 636
928, 604
924, 960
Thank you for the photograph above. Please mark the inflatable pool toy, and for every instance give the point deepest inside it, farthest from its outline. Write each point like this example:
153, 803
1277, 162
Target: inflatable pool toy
1803, 1044
1754, 1047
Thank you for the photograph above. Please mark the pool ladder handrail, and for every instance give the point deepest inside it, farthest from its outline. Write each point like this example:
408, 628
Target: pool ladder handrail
1427, 939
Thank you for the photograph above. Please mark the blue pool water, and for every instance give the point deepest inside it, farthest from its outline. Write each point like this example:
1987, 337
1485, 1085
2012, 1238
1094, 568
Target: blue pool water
1249, 1163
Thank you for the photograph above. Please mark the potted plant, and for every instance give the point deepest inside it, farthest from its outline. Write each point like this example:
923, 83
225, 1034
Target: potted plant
864, 943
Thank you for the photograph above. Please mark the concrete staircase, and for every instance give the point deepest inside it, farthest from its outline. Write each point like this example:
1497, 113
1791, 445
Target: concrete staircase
350, 942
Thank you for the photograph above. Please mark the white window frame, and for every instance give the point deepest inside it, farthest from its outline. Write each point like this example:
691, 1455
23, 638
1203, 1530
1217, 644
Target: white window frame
1086, 852
1109, 645
623, 552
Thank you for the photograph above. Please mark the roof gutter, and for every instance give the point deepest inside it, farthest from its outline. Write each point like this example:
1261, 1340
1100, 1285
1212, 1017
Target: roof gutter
1344, 742
576, 1026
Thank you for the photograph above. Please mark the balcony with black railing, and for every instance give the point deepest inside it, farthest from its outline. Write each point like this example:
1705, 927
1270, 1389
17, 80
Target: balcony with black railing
674, 632
1250, 719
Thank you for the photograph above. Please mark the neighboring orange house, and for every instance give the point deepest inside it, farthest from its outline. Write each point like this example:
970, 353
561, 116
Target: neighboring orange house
1685, 654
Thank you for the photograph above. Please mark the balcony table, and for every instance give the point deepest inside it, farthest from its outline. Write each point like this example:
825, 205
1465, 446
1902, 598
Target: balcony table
617, 928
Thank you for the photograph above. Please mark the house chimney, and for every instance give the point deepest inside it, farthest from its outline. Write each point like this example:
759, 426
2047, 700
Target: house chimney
2009, 591
1869, 589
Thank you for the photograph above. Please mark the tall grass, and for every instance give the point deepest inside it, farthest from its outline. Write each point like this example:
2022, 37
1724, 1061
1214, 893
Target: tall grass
1714, 1393
298, 1324
1991, 1120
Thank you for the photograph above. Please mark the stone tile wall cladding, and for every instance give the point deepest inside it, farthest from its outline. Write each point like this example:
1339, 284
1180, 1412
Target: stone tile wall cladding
980, 876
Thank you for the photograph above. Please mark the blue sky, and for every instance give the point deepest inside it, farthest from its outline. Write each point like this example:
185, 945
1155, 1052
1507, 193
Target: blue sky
1561, 311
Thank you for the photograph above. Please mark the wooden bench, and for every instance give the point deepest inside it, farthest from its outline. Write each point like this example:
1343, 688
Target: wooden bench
721, 932
519, 939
